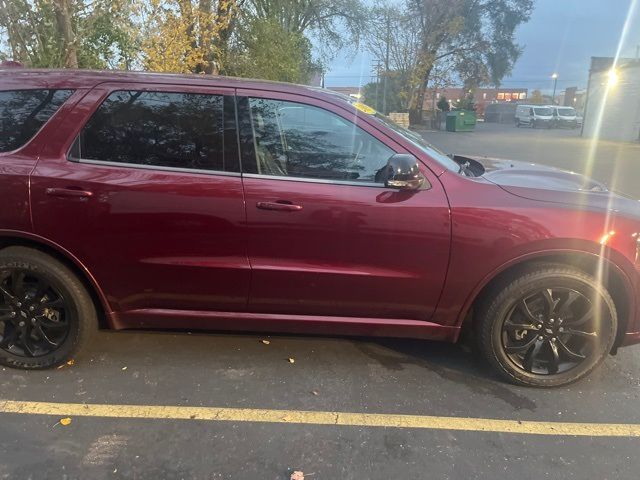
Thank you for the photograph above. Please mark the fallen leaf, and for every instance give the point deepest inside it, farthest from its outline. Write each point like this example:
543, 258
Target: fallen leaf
297, 475
292, 360
266, 342
69, 363
65, 421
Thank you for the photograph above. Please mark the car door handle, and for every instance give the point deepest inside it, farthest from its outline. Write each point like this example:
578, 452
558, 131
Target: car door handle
68, 192
280, 205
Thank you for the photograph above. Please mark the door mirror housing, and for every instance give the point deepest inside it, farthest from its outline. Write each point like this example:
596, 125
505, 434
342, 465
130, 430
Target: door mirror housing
402, 172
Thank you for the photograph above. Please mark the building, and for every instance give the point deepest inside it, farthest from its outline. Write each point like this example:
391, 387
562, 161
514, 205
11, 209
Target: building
612, 107
481, 96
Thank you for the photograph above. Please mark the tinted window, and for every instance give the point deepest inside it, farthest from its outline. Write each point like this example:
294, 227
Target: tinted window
24, 112
178, 130
297, 140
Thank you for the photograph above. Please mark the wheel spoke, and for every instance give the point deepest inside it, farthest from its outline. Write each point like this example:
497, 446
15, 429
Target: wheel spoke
520, 348
509, 325
532, 355
6, 293
570, 354
57, 303
547, 294
44, 336
524, 308
580, 333
46, 323
588, 315
27, 346
7, 340
41, 289
554, 363
564, 307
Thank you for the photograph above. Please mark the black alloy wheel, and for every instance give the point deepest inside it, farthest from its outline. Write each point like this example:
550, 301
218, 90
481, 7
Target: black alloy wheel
46, 313
549, 326
34, 317
550, 331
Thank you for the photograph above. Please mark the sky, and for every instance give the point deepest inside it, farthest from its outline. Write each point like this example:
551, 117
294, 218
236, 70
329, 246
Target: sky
561, 37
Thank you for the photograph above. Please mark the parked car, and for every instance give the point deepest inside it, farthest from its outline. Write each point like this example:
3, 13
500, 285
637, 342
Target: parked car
131, 200
534, 116
564, 117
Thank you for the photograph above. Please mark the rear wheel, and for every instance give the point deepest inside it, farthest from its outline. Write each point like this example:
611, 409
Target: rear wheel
548, 327
46, 314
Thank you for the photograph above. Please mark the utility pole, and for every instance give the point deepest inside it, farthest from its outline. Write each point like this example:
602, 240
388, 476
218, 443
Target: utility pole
377, 64
386, 66
555, 84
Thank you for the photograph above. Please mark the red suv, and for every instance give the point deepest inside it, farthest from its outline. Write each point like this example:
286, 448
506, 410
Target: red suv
133, 200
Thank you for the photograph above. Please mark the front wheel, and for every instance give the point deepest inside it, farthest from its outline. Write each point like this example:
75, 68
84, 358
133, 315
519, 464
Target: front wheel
549, 327
46, 314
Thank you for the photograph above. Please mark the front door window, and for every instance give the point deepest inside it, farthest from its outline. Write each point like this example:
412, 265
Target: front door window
297, 140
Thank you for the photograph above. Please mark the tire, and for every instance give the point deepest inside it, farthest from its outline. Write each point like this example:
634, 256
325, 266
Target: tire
47, 314
536, 356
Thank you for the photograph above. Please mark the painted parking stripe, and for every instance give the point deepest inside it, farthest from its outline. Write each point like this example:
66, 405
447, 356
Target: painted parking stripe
158, 412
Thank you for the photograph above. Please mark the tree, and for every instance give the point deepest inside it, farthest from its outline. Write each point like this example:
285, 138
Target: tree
394, 99
186, 35
467, 102
333, 23
65, 29
68, 33
266, 50
536, 98
392, 39
477, 36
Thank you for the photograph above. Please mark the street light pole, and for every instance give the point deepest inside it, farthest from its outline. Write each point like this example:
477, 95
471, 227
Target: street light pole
555, 84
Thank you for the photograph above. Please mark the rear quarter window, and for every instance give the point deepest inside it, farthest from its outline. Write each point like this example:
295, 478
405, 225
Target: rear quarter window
24, 112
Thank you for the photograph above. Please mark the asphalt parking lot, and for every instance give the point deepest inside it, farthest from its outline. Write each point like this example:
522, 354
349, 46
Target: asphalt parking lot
164, 405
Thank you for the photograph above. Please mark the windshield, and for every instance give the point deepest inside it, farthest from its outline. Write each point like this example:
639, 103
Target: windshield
543, 111
566, 112
419, 142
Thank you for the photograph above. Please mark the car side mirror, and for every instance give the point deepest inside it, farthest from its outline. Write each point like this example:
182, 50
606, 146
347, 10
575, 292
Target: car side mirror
402, 172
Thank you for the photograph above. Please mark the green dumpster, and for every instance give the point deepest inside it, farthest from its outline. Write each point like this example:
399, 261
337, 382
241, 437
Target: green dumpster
461, 121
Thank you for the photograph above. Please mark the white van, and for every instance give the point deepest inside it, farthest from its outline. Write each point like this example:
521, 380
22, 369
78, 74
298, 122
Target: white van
564, 117
534, 116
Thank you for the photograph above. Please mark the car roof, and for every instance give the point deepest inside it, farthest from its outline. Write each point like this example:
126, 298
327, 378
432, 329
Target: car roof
73, 78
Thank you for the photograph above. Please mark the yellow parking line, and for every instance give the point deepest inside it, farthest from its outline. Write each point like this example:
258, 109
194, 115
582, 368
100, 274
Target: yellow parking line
320, 418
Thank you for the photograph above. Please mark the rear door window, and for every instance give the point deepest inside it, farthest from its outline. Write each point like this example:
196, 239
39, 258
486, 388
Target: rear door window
162, 129
24, 112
